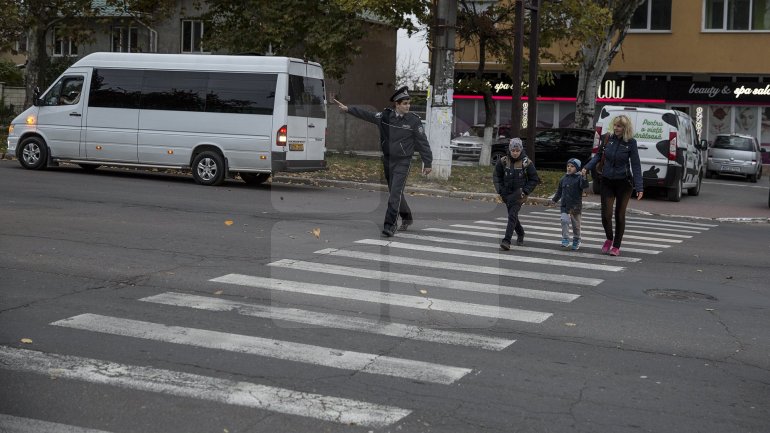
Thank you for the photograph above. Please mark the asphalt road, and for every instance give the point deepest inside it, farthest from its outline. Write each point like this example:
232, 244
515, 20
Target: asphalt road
136, 302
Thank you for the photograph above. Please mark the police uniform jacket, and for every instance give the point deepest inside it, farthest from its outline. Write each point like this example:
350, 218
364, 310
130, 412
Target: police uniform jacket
570, 192
399, 137
513, 175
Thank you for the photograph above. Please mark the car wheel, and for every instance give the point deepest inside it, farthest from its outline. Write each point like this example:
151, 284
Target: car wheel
455, 156
33, 153
208, 168
89, 167
753, 178
675, 193
709, 174
496, 157
254, 178
694, 191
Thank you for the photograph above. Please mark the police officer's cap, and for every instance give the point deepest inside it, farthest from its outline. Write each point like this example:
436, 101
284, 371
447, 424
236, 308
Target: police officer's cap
401, 93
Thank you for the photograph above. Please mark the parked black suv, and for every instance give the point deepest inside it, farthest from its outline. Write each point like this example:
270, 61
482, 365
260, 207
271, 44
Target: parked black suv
554, 146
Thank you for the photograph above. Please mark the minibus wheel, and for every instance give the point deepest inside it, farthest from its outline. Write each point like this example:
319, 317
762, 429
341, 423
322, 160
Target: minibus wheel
208, 168
33, 153
254, 178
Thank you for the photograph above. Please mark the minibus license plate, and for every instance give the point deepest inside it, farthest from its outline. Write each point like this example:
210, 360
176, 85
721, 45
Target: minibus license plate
296, 146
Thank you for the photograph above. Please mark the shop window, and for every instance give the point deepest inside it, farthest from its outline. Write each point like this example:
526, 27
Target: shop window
125, 40
652, 15
737, 15
192, 33
63, 46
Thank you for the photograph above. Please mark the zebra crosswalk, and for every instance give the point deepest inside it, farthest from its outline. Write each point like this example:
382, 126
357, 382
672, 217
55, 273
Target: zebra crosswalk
456, 260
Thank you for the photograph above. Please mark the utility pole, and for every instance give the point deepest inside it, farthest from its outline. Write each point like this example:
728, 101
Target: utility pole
442, 73
534, 54
518, 50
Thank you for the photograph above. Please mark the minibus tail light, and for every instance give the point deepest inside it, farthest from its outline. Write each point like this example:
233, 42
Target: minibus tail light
282, 136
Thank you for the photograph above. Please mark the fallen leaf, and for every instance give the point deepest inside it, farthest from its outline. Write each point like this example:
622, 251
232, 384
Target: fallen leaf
229, 222
317, 232
26, 340
219, 292
423, 291
570, 324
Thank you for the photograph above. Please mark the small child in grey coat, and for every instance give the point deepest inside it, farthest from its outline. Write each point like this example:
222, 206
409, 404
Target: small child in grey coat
570, 192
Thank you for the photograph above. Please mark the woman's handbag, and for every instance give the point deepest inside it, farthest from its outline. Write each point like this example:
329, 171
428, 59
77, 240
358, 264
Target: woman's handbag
600, 164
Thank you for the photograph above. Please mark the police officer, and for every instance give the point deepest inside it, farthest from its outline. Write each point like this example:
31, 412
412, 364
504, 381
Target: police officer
401, 133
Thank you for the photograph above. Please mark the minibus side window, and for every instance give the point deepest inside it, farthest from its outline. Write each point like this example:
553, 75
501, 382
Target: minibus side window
174, 90
115, 88
241, 93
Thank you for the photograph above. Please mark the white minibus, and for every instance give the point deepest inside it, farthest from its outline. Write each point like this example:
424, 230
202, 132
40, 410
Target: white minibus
214, 115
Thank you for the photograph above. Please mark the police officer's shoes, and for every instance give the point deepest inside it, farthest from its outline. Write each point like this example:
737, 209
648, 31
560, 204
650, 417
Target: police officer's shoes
389, 232
405, 225
520, 241
505, 245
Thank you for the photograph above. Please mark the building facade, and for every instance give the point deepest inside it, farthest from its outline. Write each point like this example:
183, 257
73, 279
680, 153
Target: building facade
707, 58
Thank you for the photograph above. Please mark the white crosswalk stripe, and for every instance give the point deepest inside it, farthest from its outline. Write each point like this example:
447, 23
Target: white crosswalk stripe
650, 221
531, 239
196, 386
342, 359
467, 286
545, 217
508, 256
528, 227
408, 301
555, 235
14, 424
351, 323
495, 245
443, 282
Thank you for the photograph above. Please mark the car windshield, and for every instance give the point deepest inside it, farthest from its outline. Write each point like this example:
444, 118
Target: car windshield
734, 143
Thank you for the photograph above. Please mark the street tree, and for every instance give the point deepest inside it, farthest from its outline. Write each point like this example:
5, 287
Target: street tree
486, 29
598, 48
327, 31
72, 19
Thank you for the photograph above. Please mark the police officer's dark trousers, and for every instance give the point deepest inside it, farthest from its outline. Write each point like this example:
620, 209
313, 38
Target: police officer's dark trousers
396, 170
514, 202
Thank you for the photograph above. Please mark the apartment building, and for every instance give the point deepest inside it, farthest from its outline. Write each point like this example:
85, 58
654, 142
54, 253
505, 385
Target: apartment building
708, 58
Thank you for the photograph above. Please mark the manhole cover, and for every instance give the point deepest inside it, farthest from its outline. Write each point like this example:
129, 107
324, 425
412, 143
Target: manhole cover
678, 295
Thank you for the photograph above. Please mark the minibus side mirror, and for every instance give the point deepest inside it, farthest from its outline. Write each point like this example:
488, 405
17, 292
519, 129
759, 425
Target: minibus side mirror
36, 96
704, 144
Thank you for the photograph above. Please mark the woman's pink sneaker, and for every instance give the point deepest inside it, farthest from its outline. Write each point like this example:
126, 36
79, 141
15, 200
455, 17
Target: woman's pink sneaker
606, 246
614, 251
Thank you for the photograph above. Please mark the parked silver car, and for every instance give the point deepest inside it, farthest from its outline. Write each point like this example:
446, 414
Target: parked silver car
469, 142
735, 154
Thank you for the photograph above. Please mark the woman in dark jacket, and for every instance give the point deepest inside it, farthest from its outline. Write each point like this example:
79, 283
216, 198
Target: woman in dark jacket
621, 174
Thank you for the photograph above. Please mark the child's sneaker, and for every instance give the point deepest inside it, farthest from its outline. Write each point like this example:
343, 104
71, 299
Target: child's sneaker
565, 243
575, 244
606, 246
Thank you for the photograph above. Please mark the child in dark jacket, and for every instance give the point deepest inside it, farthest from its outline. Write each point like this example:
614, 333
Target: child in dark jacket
570, 192
515, 177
